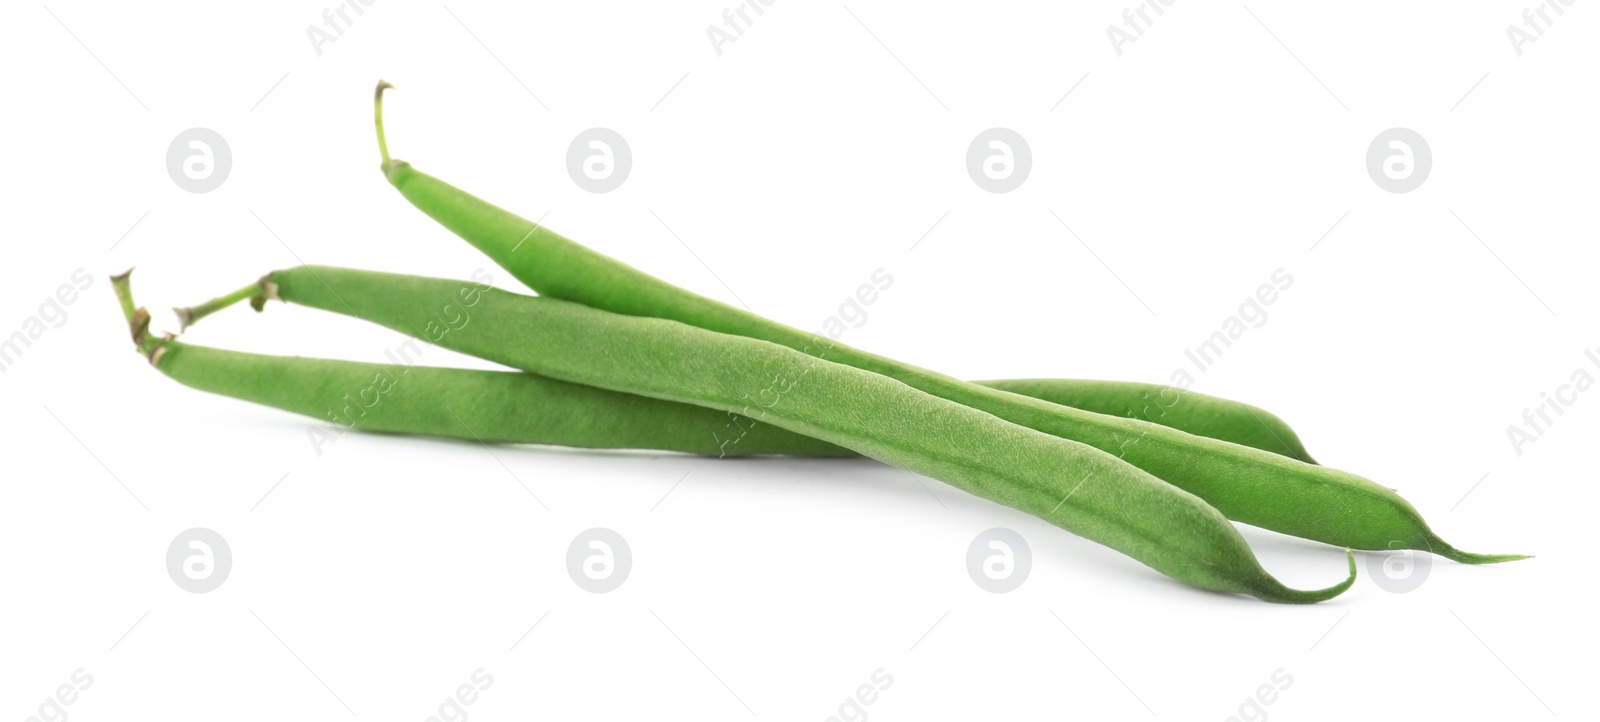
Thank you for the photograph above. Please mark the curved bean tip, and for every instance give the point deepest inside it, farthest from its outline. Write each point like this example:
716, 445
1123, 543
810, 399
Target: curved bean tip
1276, 592
383, 85
1337, 589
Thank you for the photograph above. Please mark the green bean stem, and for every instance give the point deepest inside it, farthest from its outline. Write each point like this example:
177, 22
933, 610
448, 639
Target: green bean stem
377, 119
190, 315
1246, 484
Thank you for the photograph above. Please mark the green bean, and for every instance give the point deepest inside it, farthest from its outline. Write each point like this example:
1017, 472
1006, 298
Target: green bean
1246, 484
1210, 416
565, 414
518, 407
1070, 485
487, 406
1187, 411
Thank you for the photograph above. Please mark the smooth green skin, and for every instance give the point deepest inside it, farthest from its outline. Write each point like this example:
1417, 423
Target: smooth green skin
1244, 483
487, 406
1070, 485
494, 406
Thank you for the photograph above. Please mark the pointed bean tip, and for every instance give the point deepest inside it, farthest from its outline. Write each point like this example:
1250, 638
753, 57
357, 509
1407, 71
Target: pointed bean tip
1444, 549
1321, 595
1457, 555
1275, 591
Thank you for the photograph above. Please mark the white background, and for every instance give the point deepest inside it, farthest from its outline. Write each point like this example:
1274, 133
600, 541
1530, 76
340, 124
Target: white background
827, 141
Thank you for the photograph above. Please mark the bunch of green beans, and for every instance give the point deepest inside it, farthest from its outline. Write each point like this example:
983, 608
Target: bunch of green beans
492, 406
1073, 486
609, 357
1246, 484
537, 410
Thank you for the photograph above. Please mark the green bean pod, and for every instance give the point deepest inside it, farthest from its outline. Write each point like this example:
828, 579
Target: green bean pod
1070, 485
488, 406
639, 423
1187, 411
1244, 483
513, 407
